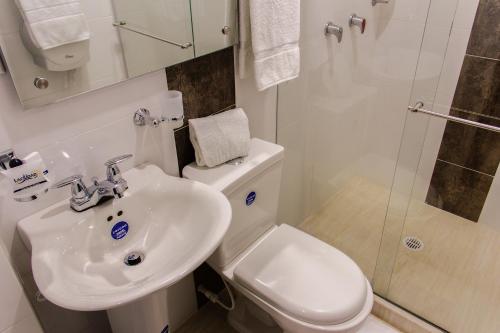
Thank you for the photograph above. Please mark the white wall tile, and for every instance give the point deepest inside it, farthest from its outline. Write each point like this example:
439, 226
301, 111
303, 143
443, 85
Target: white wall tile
466, 12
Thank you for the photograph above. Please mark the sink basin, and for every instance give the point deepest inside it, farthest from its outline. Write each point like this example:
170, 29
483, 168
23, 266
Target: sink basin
78, 259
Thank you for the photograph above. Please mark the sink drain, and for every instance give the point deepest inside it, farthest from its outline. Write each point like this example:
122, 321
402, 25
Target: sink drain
133, 258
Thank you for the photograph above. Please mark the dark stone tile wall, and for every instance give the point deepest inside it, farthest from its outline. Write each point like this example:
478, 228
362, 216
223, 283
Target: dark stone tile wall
468, 157
484, 39
459, 190
208, 87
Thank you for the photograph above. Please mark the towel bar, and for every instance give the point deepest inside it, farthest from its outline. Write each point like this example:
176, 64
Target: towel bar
122, 25
418, 108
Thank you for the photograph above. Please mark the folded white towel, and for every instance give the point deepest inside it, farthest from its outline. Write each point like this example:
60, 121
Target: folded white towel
275, 29
220, 138
52, 23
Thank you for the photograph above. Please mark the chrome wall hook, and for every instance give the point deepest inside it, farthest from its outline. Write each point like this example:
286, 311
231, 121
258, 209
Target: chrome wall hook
355, 20
333, 29
142, 117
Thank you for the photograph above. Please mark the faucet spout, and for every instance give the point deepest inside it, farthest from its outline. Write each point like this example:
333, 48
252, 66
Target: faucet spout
114, 188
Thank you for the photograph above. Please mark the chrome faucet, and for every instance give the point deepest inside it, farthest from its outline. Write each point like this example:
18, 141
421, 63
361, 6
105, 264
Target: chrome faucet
83, 197
333, 29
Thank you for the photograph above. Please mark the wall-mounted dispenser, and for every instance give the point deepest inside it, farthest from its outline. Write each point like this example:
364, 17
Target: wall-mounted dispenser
62, 58
28, 177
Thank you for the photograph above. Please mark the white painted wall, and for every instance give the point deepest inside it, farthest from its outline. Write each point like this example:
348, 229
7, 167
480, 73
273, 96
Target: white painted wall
260, 108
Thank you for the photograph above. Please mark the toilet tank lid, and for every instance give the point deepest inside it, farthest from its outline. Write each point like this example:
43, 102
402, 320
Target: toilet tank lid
226, 177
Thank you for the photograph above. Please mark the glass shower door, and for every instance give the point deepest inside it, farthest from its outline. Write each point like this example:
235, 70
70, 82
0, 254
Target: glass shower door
439, 250
341, 122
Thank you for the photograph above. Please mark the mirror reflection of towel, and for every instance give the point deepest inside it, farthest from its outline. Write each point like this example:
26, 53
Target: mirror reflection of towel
52, 23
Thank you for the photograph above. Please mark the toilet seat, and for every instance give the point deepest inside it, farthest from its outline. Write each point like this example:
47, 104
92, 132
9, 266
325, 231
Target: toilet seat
337, 298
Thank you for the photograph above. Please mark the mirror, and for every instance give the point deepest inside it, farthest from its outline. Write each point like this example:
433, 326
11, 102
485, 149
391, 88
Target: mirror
72, 47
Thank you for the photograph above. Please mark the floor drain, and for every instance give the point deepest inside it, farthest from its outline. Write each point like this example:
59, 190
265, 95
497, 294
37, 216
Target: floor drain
413, 243
133, 259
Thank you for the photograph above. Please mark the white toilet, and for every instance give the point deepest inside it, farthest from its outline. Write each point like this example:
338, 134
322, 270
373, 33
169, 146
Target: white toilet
304, 284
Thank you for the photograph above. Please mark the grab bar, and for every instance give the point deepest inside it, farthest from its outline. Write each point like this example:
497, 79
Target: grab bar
122, 25
418, 108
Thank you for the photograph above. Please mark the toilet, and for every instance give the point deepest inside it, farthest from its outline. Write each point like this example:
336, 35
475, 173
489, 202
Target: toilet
302, 283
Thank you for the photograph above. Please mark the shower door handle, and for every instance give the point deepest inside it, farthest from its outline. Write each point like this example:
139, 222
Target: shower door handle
375, 2
419, 108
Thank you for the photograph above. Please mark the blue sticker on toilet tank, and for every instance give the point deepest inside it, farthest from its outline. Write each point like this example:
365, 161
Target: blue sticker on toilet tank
251, 198
119, 230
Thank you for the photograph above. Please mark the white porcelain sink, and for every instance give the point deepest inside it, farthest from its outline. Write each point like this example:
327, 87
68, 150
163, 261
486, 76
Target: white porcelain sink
77, 264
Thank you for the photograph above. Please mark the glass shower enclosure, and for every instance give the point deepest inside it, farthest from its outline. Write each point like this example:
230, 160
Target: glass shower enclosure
409, 196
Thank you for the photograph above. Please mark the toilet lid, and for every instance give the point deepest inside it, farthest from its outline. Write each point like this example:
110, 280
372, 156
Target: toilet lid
304, 277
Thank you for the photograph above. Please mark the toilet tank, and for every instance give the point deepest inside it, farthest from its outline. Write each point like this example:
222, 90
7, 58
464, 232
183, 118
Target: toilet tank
252, 185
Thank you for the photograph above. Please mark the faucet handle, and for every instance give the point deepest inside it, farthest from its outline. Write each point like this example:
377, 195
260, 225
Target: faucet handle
68, 181
355, 20
113, 172
118, 159
333, 29
79, 191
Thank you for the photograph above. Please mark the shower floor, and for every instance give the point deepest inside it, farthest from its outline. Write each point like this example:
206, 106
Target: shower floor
454, 281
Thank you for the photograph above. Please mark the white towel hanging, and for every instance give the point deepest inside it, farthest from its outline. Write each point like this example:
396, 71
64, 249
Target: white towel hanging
275, 31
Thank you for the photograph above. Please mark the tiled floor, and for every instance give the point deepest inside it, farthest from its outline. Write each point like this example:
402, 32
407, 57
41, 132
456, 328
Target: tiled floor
454, 281
212, 319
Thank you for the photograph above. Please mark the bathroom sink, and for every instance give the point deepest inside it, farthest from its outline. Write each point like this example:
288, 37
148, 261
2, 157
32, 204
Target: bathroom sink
125, 249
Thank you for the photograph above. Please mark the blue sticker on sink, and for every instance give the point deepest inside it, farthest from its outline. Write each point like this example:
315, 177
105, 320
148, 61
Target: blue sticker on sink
119, 230
251, 198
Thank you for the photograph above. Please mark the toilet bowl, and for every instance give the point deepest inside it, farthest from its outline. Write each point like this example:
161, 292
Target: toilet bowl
304, 284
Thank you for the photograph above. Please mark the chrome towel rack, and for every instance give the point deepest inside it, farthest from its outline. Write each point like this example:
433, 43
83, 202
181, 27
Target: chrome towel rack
418, 108
123, 25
